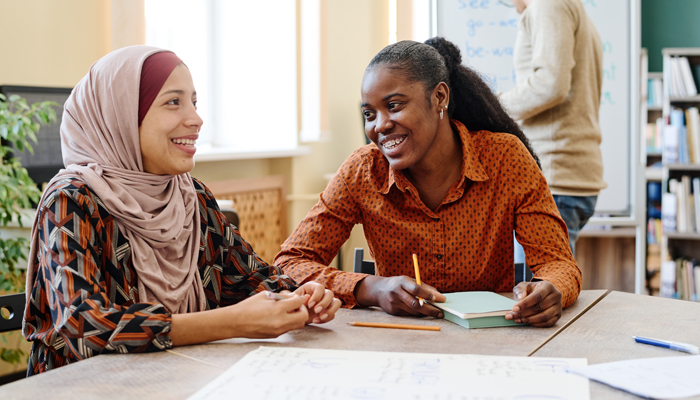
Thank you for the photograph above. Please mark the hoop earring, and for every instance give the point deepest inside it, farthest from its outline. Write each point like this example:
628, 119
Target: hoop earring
441, 114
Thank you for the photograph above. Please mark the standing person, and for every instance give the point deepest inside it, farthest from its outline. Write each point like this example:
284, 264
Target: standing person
449, 176
558, 60
129, 252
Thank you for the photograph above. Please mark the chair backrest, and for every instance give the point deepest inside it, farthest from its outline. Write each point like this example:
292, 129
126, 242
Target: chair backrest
522, 272
231, 215
12, 306
261, 206
359, 263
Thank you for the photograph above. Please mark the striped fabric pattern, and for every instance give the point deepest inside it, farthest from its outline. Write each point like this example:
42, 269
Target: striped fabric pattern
85, 299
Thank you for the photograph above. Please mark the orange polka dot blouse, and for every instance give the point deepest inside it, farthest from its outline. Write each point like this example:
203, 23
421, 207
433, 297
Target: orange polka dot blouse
465, 244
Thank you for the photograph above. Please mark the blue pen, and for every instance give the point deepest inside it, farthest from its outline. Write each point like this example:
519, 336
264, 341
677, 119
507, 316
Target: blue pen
688, 348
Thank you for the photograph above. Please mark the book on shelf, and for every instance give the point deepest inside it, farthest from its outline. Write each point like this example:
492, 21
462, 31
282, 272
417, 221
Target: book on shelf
654, 231
477, 309
687, 75
677, 119
669, 212
696, 201
655, 96
692, 118
680, 279
688, 203
681, 137
683, 202
681, 82
653, 136
671, 150
668, 279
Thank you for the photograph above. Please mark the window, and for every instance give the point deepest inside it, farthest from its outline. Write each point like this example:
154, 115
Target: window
242, 55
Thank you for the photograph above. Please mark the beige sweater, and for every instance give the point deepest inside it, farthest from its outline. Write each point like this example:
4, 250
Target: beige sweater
559, 69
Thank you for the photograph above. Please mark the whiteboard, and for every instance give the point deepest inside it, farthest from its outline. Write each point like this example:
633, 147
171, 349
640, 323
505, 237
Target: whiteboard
485, 32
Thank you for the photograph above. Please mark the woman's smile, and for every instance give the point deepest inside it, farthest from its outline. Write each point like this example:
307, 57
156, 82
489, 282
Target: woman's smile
186, 144
392, 143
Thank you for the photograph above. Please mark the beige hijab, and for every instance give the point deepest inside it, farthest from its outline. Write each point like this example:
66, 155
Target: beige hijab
158, 214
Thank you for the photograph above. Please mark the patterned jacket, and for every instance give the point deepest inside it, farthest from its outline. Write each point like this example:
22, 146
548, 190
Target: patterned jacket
85, 298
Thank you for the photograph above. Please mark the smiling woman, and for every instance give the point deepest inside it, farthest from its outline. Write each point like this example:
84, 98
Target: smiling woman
129, 252
449, 177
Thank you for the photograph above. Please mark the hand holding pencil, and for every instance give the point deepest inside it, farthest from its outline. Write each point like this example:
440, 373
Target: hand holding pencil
399, 295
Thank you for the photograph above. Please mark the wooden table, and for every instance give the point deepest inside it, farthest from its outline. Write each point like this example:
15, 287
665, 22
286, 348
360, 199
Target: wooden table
604, 333
178, 373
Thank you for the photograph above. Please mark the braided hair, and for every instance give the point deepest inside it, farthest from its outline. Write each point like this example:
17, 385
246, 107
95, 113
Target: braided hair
471, 100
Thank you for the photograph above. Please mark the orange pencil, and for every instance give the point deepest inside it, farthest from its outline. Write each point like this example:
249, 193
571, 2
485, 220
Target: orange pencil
395, 326
415, 266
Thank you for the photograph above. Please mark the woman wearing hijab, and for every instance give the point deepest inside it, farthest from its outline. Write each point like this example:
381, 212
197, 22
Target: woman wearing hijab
129, 252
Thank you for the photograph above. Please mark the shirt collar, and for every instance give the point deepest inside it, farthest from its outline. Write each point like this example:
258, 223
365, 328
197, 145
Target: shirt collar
471, 167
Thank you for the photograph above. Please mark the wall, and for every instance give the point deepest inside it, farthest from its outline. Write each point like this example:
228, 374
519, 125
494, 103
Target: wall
59, 40
669, 23
353, 33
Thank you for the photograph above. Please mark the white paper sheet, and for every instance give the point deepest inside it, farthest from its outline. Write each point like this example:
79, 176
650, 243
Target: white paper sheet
658, 378
295, 373
285, 338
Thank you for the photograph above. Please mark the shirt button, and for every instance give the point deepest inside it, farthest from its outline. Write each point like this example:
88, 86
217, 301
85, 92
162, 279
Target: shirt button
439, 256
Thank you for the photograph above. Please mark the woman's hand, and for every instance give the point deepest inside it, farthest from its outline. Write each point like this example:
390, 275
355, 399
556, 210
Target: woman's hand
398, 295
261, 316
321, 303
257, 317
539, 304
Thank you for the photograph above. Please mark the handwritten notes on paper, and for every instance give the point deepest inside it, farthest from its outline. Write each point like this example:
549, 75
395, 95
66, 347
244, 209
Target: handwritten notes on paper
295, 373
658, 378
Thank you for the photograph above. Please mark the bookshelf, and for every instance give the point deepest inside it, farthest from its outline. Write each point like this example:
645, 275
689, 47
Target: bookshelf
651, 104
680, 238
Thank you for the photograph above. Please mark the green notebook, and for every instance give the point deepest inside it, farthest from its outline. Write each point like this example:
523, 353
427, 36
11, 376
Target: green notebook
477, 309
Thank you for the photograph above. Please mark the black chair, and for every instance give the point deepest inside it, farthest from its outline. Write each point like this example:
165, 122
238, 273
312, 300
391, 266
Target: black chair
232, 215
12, 312
360, 265
522, 272
12, 306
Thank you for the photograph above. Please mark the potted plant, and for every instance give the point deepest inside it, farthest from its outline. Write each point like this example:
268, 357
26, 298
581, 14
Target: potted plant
18, 124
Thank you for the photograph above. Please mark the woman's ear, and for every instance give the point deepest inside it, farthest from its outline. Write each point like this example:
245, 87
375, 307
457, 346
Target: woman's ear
441, 94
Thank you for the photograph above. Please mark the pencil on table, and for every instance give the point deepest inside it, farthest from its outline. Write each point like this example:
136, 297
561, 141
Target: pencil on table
415, 266
395, 326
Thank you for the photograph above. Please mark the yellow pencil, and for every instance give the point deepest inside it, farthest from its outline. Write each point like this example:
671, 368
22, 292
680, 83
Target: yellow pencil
395, 326
415, 266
